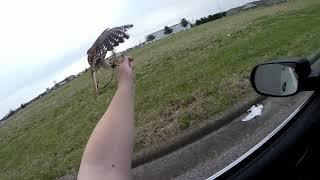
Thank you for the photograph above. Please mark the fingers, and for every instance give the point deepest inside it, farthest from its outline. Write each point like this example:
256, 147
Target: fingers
127, 60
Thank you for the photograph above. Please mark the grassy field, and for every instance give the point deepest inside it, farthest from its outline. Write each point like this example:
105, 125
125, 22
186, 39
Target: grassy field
181, 81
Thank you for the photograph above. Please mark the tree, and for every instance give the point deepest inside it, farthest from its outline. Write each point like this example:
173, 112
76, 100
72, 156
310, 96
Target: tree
198, 22
150, 38
184, 22
167, 30
23, 106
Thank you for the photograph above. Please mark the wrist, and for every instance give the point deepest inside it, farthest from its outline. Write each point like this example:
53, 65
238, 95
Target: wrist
126, 85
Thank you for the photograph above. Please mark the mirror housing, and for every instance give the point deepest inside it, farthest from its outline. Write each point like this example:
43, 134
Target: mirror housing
280, 78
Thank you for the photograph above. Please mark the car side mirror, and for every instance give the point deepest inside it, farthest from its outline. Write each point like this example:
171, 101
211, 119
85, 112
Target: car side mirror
280, 78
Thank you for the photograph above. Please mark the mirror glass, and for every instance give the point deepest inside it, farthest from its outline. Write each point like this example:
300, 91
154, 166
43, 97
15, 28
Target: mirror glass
276, 79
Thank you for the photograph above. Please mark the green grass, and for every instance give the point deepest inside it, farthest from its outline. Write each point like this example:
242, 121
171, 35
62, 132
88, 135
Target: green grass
181, 81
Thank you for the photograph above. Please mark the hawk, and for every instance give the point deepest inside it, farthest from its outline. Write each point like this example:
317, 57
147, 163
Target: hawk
109, 39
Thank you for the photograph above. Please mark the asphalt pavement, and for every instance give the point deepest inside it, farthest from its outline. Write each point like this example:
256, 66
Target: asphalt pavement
215, 151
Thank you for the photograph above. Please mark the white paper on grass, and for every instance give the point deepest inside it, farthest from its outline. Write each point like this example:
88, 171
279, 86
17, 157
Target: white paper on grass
254, 111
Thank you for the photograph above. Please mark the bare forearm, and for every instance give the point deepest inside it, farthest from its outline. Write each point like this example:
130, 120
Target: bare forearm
110, 145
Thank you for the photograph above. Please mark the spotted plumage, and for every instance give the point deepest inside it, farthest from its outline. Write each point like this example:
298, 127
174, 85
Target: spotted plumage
109, 39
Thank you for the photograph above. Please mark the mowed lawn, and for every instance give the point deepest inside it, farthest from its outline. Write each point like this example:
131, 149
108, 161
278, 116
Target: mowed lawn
181, 81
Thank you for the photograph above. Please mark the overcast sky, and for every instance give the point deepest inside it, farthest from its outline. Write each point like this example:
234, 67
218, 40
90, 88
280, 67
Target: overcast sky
43, 41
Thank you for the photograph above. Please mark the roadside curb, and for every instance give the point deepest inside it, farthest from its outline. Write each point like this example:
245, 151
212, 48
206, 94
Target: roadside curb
192, 135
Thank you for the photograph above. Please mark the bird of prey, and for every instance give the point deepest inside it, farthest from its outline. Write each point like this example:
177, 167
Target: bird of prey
109, 39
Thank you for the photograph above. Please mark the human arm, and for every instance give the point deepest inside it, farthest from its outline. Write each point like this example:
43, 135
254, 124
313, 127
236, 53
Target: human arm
109, 150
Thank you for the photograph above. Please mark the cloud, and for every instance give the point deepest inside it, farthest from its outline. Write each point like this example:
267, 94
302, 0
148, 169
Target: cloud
23, 74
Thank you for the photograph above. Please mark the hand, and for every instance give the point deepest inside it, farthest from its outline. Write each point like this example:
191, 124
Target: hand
125, 72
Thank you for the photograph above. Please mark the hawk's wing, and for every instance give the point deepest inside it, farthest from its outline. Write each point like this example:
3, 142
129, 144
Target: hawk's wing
109, 39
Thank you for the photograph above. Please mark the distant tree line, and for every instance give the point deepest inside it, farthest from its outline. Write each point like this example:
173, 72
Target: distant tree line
22, 106
210, 18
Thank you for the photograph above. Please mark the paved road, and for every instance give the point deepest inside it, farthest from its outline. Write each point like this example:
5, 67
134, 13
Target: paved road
213, 152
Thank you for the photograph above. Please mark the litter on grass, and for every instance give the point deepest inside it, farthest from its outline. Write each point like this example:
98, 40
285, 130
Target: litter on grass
254, 111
